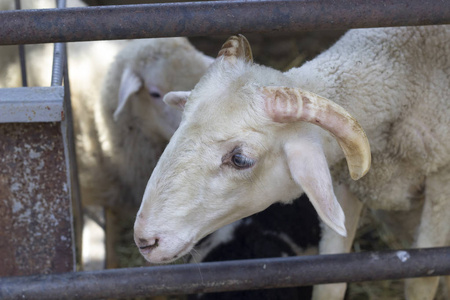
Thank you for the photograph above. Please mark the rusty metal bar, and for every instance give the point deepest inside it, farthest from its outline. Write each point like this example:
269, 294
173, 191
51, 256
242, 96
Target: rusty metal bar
213, 17
230, 275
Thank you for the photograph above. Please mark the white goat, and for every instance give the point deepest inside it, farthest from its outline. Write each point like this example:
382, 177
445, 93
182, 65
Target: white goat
121, 140
249, 138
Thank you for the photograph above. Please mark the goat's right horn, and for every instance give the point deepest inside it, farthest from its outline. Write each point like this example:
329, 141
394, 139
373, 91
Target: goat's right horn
285, 105
236, 47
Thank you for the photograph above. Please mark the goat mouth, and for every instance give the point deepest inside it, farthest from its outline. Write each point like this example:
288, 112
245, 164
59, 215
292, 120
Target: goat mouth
163, 256
185, 250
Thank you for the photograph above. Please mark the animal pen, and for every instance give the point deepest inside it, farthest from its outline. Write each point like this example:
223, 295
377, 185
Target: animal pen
37, 153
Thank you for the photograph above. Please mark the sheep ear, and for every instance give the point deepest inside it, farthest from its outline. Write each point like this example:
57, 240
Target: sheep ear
309, 169
176, 99
130, 83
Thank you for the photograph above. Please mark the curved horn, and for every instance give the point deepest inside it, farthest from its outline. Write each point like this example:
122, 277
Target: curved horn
284, 104
236, 47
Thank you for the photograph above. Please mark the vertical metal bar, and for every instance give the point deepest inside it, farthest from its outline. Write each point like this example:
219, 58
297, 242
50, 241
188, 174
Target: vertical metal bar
23, 65
60, 75
58, 58
58, 55
77, 211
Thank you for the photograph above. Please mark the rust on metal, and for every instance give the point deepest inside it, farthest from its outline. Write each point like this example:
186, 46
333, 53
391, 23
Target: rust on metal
212, 18
35, 214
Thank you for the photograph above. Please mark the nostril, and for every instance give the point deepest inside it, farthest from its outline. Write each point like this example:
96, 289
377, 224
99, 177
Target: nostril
143, 241
148, 244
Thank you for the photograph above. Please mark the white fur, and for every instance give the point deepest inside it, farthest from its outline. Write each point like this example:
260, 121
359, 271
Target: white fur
394, 81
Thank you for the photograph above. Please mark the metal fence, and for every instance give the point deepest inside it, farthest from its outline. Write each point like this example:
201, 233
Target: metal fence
52, 104
213, 17
229, 275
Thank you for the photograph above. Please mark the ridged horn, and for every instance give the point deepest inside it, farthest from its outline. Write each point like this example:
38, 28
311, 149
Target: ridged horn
284, 105
236, 47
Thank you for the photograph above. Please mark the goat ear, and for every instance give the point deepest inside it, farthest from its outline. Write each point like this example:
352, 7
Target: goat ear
176, 99
130, 83
309, 169
236, 47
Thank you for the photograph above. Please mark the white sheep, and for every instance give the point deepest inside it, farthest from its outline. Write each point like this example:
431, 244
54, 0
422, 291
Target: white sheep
249, 138
122, 135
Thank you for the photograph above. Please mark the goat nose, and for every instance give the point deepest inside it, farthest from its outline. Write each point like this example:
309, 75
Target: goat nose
147, 245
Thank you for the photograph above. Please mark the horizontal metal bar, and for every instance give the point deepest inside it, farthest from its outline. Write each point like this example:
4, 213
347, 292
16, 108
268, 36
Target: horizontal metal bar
212, 17
31, 104
230, 275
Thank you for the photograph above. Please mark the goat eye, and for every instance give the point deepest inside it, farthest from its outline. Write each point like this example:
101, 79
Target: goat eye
155, 94
241, 161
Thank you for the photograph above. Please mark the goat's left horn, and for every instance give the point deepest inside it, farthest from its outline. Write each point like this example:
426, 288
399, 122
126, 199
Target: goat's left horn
284, 105
236, 47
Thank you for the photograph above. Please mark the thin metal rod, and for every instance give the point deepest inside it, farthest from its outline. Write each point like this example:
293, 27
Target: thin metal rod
212, 17
230, 275
59, 52
60, 72
23, 64
58, 63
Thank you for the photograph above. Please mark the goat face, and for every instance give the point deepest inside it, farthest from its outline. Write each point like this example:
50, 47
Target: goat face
236, 152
